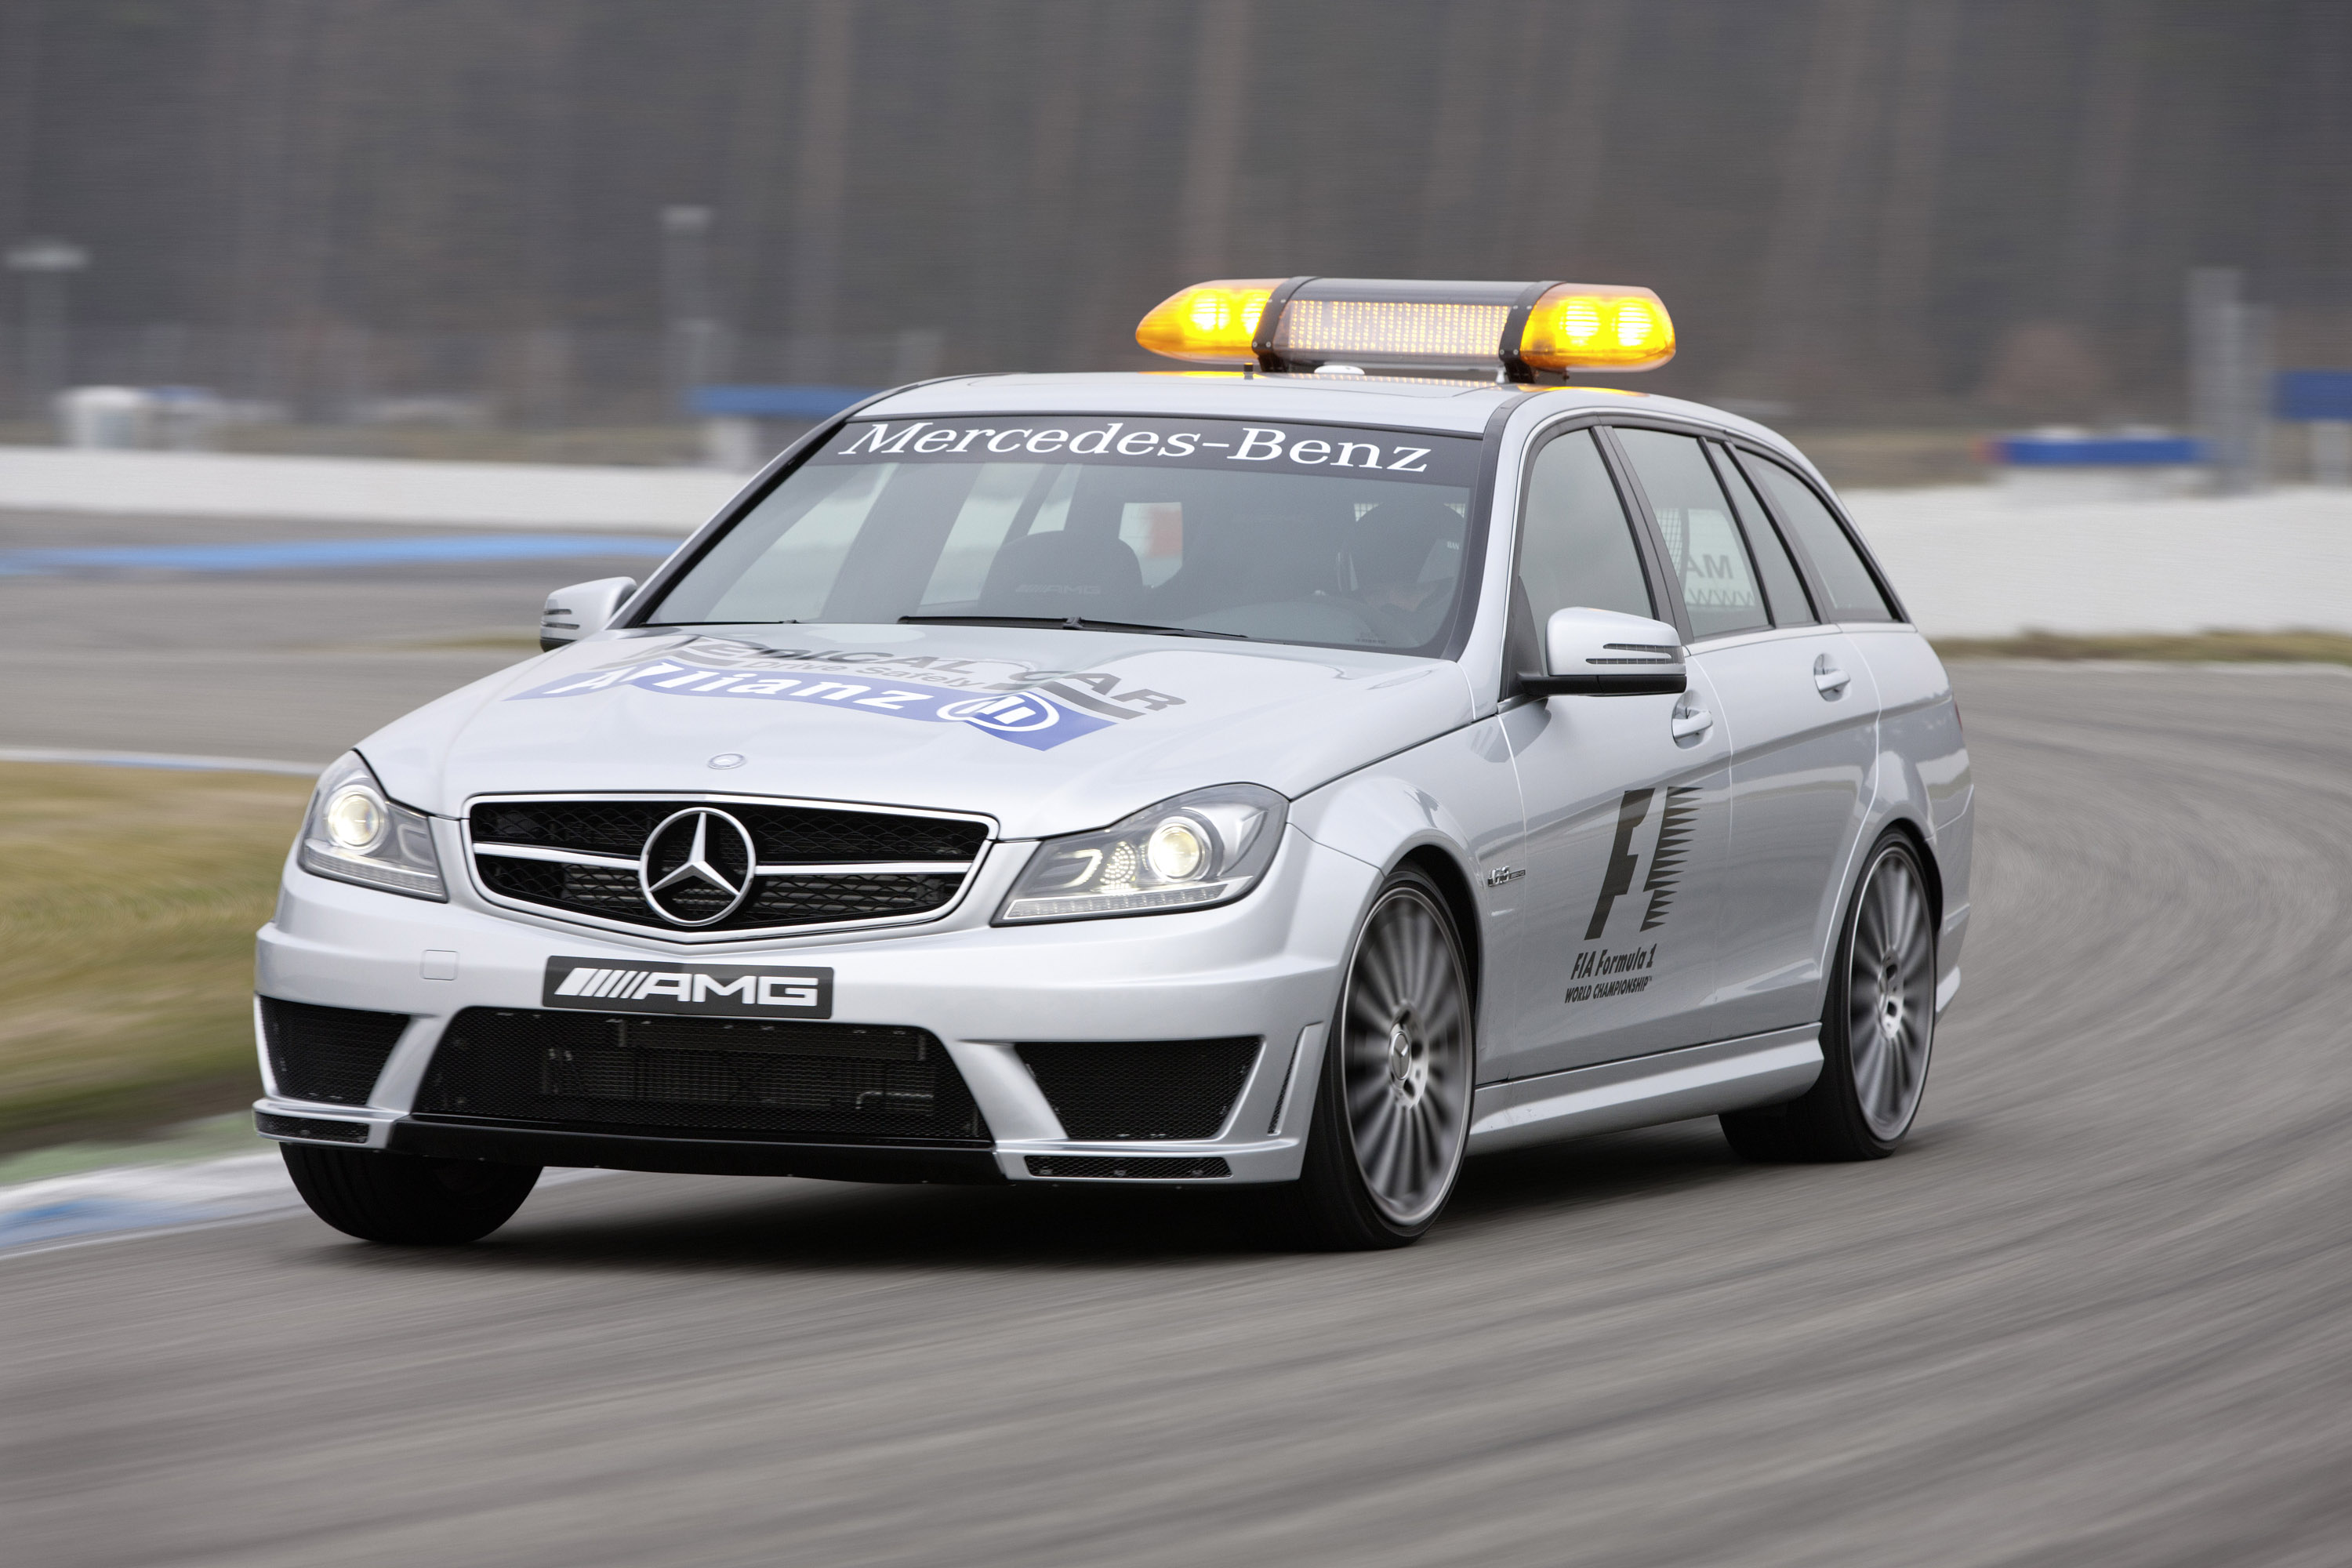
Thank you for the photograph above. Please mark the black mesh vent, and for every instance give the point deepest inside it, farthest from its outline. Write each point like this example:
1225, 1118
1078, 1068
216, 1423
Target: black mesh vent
307, 1128
331, 1054
1152, 1168
1160, 1088
853, 1082
783, 834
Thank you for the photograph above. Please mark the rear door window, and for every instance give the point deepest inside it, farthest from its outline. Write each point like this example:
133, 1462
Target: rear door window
1847, 583
1704, 550
1784, 586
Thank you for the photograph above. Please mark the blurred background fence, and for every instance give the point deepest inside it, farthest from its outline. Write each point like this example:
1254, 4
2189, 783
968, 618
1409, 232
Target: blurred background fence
541, 215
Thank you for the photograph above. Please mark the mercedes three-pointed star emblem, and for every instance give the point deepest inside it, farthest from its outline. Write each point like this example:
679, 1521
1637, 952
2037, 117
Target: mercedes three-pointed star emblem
697, 868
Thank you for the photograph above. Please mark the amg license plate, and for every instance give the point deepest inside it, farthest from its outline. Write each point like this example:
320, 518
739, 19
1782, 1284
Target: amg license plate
701, 990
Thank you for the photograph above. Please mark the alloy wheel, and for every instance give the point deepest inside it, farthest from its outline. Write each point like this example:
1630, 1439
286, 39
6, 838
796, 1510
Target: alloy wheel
1405, 1052
1891, 994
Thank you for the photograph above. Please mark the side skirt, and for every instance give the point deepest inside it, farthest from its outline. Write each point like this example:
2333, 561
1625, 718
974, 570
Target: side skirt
1699, 1081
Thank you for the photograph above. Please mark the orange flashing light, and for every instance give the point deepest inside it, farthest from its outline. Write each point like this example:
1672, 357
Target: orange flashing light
1575, 325
1213, 321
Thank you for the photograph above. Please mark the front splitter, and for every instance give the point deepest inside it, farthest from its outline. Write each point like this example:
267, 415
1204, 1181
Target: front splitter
507, 1144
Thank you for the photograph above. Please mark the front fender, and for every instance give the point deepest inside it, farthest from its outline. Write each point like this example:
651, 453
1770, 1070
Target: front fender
1457, 797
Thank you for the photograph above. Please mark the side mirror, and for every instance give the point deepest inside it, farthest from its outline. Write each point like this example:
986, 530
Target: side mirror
1600, 653
572, 613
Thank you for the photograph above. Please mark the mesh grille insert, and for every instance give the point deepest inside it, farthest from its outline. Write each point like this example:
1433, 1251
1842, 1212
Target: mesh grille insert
331, 1054
678, 1077
1156, 1088
1150, 1168
781, 834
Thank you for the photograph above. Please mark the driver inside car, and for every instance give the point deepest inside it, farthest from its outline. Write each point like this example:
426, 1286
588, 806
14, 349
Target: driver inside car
1389, 552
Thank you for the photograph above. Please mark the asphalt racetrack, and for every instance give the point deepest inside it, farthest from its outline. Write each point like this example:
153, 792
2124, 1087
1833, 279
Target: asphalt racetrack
264, 638
2096, 1312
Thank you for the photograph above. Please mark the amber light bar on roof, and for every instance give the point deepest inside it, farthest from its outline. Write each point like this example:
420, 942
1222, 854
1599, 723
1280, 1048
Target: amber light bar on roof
1521, 330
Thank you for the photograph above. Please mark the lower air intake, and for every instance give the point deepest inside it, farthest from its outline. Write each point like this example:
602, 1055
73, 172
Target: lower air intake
699, 1077
331, 1054
1153, 1089
1113, 1167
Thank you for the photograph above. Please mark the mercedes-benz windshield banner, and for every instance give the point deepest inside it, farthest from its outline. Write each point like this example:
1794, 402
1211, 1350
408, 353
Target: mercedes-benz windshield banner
1230, 447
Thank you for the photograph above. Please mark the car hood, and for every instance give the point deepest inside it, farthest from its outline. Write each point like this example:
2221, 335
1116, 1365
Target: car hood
1046, 731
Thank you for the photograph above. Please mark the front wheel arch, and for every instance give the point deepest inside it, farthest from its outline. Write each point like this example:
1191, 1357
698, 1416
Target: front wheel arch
1404, 1078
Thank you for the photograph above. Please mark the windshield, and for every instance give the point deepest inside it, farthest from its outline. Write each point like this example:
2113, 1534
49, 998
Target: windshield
1337, 536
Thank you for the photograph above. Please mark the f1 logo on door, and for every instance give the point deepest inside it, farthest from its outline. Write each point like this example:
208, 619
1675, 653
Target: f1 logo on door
1677, 818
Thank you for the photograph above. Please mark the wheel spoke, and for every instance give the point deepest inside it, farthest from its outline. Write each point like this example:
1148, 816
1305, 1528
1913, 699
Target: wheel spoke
1903, 905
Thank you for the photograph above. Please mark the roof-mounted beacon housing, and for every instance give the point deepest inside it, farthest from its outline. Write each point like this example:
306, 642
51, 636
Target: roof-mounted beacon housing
1521, 330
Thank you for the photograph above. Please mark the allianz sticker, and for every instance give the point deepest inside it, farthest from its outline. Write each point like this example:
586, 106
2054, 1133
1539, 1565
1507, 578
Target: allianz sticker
1037, 709
701, 990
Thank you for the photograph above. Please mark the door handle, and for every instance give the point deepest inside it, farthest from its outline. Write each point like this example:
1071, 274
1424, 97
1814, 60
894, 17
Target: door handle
1828, 679
1689, 721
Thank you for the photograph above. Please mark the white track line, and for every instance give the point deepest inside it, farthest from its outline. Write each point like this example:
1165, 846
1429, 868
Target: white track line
125, 1203
143, 1199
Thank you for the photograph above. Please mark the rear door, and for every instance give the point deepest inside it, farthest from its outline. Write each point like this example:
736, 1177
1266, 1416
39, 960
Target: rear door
1627, 822
1802, 710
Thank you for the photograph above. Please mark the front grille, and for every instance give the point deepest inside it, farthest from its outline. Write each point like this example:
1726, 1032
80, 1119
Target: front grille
683, 1076
1158, 1088
334, 1053
1152, 1168
308, 1127
795, 835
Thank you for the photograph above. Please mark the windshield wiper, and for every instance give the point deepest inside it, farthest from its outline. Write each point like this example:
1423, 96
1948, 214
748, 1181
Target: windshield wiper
1066, 624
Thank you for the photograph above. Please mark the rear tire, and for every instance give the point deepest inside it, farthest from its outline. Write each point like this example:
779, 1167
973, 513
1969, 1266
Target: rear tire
407, 1200
1392, 1097
1878, 1027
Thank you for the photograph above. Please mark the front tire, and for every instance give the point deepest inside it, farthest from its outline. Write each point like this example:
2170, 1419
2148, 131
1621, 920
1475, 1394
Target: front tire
408, 1200
1878, 1027
1393, 1099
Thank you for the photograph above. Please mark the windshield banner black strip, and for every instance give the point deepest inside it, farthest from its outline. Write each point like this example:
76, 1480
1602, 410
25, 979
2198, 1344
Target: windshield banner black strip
1231, 446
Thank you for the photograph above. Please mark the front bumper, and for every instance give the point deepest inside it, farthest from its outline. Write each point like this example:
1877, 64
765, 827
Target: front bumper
1266, 967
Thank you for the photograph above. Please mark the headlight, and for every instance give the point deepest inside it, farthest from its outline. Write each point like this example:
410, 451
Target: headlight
1206, 847
354, 835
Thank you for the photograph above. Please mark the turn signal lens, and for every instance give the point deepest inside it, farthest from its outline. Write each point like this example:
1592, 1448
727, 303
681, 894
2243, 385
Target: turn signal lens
1213, 321
1579, 324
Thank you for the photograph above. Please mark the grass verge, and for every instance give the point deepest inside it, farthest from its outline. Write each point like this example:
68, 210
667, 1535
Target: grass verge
126, 943
2201, 648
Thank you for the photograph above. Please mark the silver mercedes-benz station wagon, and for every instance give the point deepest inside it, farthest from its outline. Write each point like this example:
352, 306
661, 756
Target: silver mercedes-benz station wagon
1299, 774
